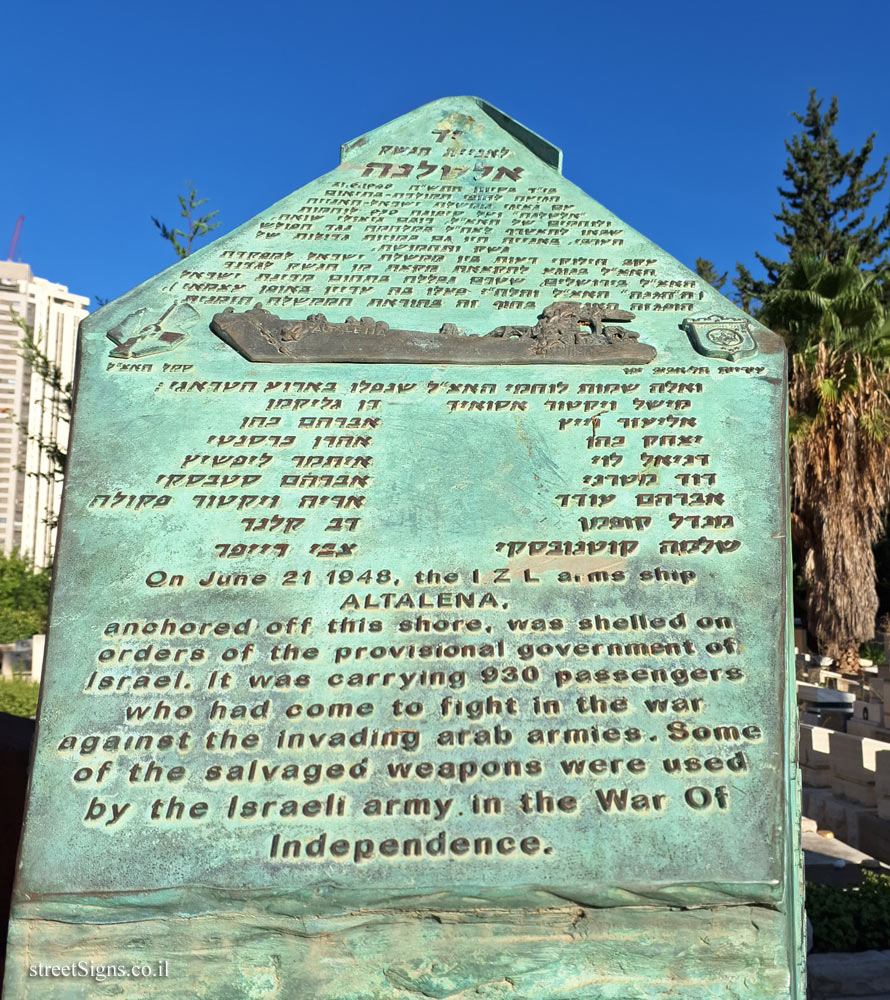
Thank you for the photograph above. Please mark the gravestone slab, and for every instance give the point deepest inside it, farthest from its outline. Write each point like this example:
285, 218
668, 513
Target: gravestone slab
419, 624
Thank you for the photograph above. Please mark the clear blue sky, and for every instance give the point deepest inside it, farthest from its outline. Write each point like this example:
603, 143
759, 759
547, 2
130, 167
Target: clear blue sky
673, 115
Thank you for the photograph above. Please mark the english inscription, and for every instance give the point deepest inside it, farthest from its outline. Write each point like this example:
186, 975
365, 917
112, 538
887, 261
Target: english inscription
577, 675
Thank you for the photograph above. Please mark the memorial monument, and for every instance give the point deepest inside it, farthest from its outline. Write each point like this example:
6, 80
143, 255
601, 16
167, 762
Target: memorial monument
420, 618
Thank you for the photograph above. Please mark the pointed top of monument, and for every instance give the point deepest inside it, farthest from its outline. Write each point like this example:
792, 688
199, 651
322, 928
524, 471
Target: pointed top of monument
446, 236
460, 122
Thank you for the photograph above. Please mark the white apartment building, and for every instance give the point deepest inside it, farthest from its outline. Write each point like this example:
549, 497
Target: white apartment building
28, 502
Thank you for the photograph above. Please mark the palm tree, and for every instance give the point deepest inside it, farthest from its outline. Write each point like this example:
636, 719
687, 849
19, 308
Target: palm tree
839, 305
833, 320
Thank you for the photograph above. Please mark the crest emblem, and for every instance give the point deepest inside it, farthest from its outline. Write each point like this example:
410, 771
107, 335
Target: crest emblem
134, 337
721, 336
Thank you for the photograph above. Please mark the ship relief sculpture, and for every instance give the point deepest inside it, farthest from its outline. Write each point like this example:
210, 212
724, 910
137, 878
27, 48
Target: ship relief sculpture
566, 333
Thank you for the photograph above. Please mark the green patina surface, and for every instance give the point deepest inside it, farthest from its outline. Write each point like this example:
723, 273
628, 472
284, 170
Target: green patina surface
456, 803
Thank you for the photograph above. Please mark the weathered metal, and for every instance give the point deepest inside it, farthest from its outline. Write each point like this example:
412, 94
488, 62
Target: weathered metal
423, 680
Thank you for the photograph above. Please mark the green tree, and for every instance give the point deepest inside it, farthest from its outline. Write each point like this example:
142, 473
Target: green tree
828, 299
196, 225
60, 391
833, 319
705, 268
24, 597
59, 395
19, 697
828, 203
840, 493
816, 301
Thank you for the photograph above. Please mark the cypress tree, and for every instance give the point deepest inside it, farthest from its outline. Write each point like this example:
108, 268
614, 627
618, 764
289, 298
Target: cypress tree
705, 268
826, 203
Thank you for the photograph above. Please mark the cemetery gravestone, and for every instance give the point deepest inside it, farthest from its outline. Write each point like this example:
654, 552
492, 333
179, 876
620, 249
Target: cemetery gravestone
420, 616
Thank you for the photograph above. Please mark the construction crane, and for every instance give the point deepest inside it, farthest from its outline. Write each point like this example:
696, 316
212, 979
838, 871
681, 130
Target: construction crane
15, 238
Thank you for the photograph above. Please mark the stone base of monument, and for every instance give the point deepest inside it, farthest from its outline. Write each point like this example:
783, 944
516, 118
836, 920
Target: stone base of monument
555, 952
